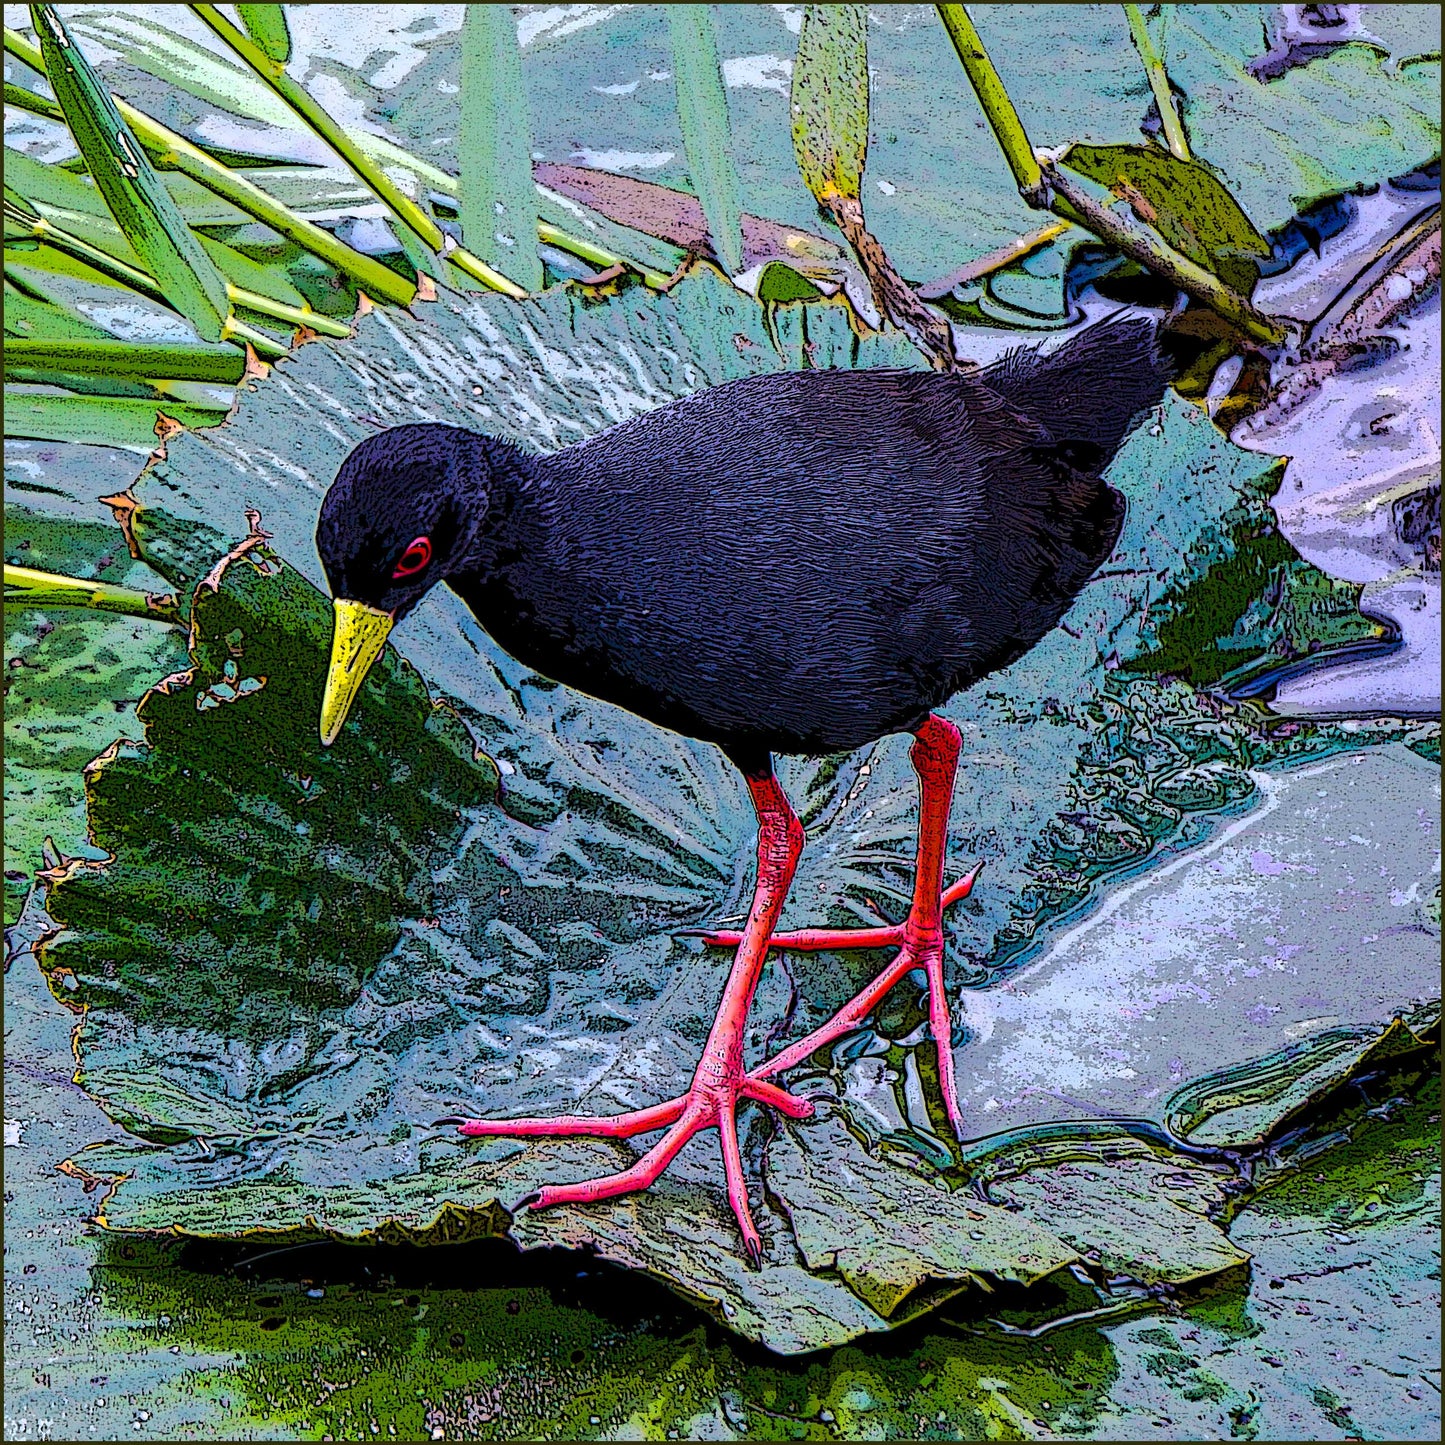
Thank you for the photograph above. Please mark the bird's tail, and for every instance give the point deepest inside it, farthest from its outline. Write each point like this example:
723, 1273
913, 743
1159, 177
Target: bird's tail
1099, 384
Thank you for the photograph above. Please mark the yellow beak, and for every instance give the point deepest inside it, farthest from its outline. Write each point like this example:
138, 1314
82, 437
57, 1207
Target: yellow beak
360, 635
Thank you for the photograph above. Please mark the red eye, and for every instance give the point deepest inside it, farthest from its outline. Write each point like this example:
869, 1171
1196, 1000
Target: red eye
416, 556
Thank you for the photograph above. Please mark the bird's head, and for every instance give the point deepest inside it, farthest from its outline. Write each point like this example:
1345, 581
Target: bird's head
400, 517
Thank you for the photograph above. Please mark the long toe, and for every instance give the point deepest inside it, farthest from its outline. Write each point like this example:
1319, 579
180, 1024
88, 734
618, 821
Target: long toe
820, 940
571, 1126
713, 1106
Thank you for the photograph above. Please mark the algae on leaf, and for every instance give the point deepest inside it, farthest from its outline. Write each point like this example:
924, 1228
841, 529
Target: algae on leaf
254, 880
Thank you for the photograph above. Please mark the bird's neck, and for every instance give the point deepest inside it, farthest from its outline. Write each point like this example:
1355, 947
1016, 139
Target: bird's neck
515, 486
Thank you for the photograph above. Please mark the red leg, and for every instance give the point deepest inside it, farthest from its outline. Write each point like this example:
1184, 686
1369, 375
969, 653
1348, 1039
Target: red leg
719, 1083
919, 940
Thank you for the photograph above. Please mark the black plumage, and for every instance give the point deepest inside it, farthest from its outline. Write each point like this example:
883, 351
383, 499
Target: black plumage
798, 562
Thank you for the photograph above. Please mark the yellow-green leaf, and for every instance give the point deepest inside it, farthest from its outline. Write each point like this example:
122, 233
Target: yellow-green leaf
830, 99
266, 25
133, 192
1184, 201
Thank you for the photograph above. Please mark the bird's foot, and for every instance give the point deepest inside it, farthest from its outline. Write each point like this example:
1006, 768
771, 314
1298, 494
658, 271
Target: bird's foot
711, 1103
920, 948
820, 940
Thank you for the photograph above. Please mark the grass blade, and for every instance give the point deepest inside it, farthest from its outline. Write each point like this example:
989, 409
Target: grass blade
128, 360
108, 421
27, 587
830, 100
134, 193
170, 150
364, 165
1169, 120
702, 109
266, 25
498, 202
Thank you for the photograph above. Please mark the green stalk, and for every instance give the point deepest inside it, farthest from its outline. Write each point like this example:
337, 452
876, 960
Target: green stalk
26, 587
597, 255
52, 235
1174, 136
406, 210
994, 100
128, 360
1052, 190
172, 151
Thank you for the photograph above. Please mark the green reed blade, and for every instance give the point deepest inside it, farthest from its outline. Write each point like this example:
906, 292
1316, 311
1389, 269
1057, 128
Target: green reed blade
406, 210
134, 193
172, 150
497, 196
129, 360
108, 421
702, 110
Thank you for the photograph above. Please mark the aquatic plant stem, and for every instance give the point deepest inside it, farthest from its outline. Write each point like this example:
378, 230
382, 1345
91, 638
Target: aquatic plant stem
27, 587
1169, 119
1045, 187
993, 99
171, 151
46, 232
406, 210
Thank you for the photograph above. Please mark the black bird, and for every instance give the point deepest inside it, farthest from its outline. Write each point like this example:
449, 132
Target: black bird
799, 562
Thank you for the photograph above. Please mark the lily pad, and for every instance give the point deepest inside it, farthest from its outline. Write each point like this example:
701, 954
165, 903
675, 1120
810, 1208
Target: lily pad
520, 955
263, 877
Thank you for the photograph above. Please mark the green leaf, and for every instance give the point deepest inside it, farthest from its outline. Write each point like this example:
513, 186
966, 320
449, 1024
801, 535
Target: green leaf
497, 200
266, 25
830, 99
702, 109
1184, 201
109, 421
780, 284
128, 360
133, 192
340, 840
36, 319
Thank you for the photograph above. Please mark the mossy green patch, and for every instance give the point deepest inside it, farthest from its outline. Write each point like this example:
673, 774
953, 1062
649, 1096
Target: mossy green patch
258, 878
